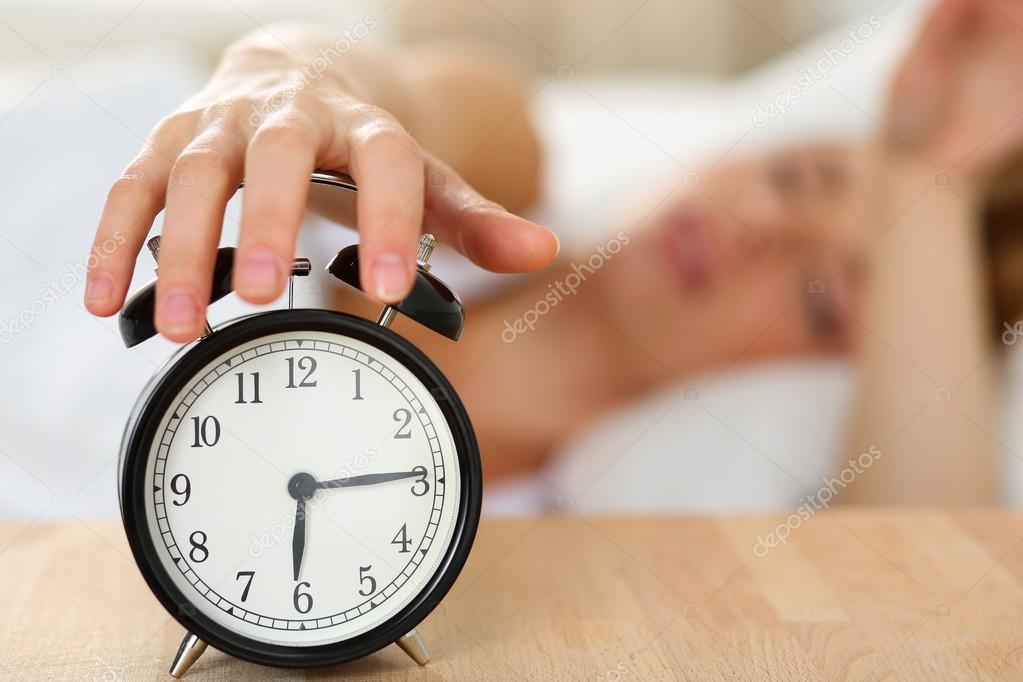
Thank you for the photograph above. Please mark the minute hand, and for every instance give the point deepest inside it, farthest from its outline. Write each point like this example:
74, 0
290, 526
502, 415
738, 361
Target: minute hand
370, 479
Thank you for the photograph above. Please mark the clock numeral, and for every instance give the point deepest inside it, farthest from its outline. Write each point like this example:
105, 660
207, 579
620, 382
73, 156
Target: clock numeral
250, 575
401, 539
416, 490
300, 598
179, 488
241, 388
405, 417
198, 553
305, 364
358, 384
206, 432
364, 577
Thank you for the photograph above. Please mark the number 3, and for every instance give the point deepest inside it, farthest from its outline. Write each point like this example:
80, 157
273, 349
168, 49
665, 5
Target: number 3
417, 491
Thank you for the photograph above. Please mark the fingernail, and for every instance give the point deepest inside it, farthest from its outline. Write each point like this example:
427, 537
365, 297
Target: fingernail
390, 278
99, 288
259, 273
179, 313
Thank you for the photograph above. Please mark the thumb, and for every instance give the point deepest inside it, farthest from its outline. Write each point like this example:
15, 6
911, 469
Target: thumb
480, 229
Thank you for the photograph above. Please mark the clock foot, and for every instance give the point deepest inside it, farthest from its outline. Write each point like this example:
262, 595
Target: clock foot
413, 645
188, 653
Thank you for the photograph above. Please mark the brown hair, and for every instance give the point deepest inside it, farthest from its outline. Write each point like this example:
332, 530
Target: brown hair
1002, 224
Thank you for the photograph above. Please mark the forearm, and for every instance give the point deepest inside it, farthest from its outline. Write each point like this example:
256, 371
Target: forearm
464, 105
925, 386
527, 388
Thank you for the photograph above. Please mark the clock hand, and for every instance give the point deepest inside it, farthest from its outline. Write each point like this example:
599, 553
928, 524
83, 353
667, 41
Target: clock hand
301, 487
370, 479
298, 540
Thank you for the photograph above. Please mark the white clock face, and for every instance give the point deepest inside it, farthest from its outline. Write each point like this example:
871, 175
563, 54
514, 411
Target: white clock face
302, 488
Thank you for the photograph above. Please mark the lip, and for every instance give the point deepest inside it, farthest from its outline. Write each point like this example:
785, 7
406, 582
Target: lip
692, 247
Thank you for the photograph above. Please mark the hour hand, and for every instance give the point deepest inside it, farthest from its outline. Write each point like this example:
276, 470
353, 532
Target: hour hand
371, 479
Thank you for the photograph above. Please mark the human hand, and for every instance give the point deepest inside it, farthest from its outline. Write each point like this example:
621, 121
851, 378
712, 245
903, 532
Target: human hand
252, 121
956, 99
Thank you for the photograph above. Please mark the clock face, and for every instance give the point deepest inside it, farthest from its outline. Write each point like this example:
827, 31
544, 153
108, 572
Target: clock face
302, 488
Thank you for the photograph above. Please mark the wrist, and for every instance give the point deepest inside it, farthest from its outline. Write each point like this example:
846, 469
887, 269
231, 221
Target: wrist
903, 173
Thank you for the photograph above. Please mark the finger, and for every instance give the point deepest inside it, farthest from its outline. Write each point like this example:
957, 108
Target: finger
202, 181
132, 204
388, 167
279, 160
483, 231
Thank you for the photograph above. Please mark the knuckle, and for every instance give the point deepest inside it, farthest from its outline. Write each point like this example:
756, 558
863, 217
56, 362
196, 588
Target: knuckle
194, 162
478, 203
131, 186
287, 91
472, 205
305, 99
272, 105
240, 108
282, 134
383, 138
179, 123
369, 113
225, 114
220, 109
310, 106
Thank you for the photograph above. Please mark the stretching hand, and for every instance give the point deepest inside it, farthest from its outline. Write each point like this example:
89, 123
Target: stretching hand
956, 100
267, 118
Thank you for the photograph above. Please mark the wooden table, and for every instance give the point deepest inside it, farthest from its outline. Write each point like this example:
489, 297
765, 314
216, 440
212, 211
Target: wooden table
857, 594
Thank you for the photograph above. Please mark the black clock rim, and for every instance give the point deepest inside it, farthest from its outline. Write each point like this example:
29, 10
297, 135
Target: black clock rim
143, 429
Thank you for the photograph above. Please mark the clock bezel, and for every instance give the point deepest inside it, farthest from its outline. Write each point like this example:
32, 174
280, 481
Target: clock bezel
159, 396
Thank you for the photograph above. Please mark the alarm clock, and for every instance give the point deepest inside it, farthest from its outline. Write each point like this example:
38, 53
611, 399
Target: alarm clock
300, 487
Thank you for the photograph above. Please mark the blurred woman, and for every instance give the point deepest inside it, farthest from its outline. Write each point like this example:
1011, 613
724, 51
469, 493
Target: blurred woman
874, 250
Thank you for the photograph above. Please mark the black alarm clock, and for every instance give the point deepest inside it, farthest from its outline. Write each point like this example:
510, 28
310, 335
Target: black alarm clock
300, 487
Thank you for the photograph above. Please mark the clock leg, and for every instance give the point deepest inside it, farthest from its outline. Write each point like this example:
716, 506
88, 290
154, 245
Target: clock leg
188, 653
413, 645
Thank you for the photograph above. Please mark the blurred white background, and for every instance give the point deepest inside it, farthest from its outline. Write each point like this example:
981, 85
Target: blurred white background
698, 36
666, 83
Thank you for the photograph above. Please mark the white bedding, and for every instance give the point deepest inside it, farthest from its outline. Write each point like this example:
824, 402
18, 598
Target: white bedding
757, 438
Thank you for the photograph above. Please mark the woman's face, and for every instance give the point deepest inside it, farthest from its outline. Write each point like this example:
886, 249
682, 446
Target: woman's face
757, 259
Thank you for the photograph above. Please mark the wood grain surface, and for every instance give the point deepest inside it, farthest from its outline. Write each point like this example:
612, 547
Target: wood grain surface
856, 594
